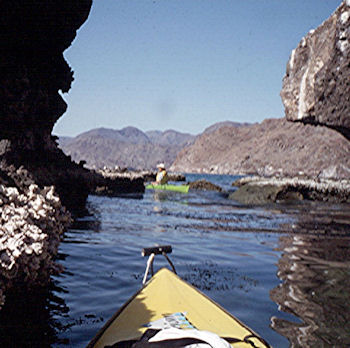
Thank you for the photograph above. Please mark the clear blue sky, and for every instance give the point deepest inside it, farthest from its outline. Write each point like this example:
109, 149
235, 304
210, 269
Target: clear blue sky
183, 64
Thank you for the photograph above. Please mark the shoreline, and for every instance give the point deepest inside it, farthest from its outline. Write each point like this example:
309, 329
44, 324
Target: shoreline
146, 175
257, 190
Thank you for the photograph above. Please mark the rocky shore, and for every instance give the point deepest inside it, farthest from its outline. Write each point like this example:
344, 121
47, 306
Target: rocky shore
32, 222
145, 175
274, 147
260, 190
38, 182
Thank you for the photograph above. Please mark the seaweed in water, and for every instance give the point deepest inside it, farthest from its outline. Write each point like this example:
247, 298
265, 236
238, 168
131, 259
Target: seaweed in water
211, 276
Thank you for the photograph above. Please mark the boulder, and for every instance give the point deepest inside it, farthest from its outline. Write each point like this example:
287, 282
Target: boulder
204, 185
316, 87
256, 195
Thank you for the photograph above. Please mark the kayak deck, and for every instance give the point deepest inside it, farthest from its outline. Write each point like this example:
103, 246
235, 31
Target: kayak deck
164, 295
169, 187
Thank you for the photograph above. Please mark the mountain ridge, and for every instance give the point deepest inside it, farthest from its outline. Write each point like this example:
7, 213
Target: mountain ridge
127, 147
272, 147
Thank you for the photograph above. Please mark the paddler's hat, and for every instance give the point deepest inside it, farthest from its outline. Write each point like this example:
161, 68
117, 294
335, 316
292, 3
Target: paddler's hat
161, 165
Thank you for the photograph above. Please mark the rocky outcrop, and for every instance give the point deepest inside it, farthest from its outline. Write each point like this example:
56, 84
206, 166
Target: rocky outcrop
273, 148
144, 175
32, 221
316, 87
33, 71
204, 185
34, 35
257, 190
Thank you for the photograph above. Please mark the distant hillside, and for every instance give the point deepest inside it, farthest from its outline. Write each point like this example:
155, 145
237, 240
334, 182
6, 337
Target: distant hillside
218, 125
170, 137
272, 147
127, 147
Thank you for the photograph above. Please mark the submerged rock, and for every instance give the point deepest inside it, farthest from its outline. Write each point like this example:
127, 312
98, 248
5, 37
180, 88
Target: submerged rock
316, 86
204, 185
255, 195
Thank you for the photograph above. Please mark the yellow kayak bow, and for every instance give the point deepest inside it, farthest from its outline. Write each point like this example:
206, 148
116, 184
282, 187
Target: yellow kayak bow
166, 300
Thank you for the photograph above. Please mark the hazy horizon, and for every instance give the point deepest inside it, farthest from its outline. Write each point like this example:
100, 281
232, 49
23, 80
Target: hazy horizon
153, 130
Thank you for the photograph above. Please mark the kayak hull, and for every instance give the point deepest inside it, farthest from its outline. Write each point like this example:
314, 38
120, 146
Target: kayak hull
166, 295
169, 187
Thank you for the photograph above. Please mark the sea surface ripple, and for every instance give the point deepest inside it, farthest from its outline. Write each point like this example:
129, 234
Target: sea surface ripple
284, 270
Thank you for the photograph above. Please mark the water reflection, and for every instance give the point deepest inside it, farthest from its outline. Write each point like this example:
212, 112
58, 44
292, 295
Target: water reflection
40, 317
28, 318
315, 274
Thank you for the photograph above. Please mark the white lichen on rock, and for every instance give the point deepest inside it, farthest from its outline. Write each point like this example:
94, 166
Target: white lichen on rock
344, 17
302, 108
315, 87
31, 225
324, 186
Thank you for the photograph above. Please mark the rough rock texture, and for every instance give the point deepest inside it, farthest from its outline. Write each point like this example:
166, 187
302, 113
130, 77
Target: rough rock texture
34, 35
251, 194
32, 221
258, 190
204, 185
145, 175
274, 147
33, 71
316, 87
218, 125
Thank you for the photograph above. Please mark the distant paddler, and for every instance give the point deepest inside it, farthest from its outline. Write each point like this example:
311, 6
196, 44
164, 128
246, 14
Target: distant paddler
162, 175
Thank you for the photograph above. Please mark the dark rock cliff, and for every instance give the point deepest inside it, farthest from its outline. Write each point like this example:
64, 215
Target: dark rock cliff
36, 177
33, 72
34, 35
316, 87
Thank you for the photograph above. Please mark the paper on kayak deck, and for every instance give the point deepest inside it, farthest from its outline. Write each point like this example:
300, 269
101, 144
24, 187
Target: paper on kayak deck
209, 339
175, 320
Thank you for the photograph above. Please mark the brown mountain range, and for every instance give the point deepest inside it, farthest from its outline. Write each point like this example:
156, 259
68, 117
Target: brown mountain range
128, 147
273, 147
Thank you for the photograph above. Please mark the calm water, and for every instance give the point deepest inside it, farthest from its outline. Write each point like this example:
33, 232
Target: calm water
282, 269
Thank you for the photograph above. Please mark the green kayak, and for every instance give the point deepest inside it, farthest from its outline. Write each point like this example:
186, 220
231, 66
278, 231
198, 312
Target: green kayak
169, 187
